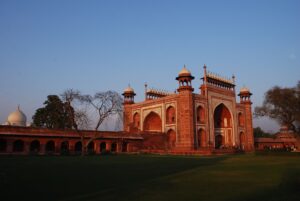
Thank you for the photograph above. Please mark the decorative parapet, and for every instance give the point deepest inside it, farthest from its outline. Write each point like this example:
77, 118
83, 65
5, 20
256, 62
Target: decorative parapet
157, 93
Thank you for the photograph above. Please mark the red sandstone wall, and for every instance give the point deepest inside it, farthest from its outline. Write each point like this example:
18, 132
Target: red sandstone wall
186, 125
156, 141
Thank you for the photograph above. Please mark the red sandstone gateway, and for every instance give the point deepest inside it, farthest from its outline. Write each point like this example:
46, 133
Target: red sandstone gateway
181, 122
193, 121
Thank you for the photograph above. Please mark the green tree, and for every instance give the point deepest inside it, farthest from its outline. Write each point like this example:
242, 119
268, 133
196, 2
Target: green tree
282, 105
53, 115
258, 132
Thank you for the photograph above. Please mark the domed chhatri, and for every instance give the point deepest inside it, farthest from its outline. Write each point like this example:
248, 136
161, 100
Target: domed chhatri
244, 90
184, 72
17, 118
128, 90
128, 95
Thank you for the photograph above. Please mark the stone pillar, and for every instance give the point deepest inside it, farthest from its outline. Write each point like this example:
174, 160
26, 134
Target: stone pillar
126, 117
57, 146
42, 148
119, 147
97, 147
9, 146
72, 147
249, 127
186, 131
26, 147
108, 146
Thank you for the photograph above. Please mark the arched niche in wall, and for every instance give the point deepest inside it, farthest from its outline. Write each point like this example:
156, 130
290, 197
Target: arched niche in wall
153, 122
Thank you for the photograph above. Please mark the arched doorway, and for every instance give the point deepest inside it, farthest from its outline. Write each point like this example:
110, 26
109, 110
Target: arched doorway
201, 138
170, 115
113, 147
78, 147
223, 127
91, 148
64, 147
124, 146
219, 141
242, 140
171, 138
50, 146
35, 146
102, 147
153, 123
3, 145
18, 146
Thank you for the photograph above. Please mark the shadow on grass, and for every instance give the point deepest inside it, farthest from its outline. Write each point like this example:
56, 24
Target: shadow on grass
87, 178
288, 189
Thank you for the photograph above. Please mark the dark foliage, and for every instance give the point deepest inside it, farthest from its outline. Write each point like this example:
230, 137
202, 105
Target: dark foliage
283, 105
258, 132
53, 115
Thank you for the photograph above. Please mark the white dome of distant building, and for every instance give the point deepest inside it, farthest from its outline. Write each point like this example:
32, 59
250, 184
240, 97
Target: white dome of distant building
184, 72
17, 118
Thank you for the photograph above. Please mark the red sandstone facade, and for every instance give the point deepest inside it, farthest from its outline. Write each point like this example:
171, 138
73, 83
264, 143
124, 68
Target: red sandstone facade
28, 140
284, 140
210, 119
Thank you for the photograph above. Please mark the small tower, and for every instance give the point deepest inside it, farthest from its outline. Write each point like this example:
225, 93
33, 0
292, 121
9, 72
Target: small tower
245, 95
185, 80
203, 87
128, 95
245, 100
185, 110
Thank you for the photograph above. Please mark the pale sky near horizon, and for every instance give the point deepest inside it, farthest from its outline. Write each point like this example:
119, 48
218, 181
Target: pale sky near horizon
48, 46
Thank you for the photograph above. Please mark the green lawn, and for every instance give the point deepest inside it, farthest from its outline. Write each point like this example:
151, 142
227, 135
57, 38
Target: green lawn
151, 178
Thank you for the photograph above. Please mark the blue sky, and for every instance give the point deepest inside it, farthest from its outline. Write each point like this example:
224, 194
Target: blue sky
49, 46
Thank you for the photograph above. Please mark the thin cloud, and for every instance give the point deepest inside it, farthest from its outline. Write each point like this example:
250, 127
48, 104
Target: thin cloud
292, 56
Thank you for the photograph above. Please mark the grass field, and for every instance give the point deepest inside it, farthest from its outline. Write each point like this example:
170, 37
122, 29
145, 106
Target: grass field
151, 178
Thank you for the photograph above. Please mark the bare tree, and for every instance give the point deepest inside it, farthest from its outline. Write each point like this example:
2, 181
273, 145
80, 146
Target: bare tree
103, 104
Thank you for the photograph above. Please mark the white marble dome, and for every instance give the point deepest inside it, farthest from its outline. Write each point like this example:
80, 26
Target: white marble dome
17, 118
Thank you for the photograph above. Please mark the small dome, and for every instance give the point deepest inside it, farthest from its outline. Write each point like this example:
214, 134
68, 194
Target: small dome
17, 118
184, 72
244, 89
128, 90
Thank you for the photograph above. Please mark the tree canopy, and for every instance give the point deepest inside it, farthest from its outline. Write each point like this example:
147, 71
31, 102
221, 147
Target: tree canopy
53, 115
258, 132
283, 105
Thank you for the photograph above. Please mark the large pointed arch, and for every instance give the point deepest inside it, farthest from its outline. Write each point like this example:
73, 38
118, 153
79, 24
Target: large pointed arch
152, 122
223, 127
